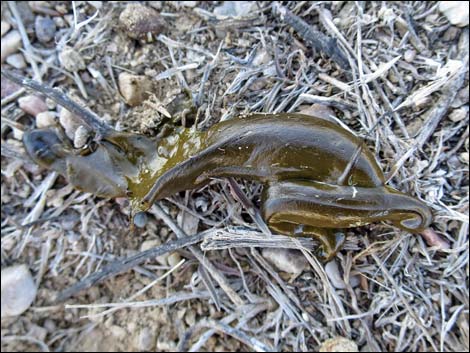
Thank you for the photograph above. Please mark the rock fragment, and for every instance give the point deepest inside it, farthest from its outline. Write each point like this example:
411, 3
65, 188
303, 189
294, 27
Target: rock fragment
286, 260
138, 21
18, 290
16, 60
11, 42
45, 119
456, 12
45, 29
32, 105
339, 344
5, 26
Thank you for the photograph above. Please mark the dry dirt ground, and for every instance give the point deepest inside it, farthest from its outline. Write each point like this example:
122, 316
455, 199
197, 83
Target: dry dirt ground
396, 74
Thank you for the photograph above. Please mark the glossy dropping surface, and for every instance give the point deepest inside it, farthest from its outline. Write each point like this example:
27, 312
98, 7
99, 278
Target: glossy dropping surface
300, 159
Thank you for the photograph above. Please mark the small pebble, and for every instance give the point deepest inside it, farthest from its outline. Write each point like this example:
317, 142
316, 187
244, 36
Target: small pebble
339, 344
286, 260
145, 340
462, 98
69, 122
140, 219
234, 9
190, 317
71, 60
17, 134
81, 136
11, 42
170, 346
32, 105
173, 259
459, 114
189, 4
162, 259
5, 26
50, 325
457, 12
16, 60
45, 29
134, 89
163, 232
139, 20
464, 157
409, 55
8, 87
18, 290
45, 119
149, 244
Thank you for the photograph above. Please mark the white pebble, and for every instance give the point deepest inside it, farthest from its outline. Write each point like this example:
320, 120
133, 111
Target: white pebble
409, 55
5, 27
69, 122
189, 4
16, 60
456, 12
459, 114
17, 134
338, 344
45, 119
11, 42
149, 244
286, 260
32, 105
81, 136
18, 290
134, 89
464, 157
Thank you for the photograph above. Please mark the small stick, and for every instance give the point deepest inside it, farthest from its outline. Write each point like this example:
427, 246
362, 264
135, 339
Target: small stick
315, 38
86, 116
251, 209
126, 264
